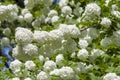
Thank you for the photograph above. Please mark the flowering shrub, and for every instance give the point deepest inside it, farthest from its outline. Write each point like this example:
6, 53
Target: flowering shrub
60, 40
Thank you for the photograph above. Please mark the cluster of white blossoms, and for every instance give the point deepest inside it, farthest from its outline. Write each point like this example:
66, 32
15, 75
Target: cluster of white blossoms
8, 12
5, 41
26, 16
43, 76
63, 3
111, 76
65, 73
52, 17
96, 53
17, 78
60, 42
49, 65
92, 9
106, 22
59, 60
82, 54
15, 66
29, 3
23, 36
66, 10
30, 65
70, 30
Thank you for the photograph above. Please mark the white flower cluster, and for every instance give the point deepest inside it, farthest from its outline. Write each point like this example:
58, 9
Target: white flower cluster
60, 35
82, 54
8, 12
83, 43
111, 76
15, 66
83, 68
66, 73
23, 36
115, 12
105, 42
41, 37
26, 52
70, 30
52, 17
92, 9
30, 65
66, 10
7, 32
5, 41
49, 65
30, 49
63, 3
16, 78
106, 22
59, 59
96, 53
116, 38
29, 4
27, 79
43, 76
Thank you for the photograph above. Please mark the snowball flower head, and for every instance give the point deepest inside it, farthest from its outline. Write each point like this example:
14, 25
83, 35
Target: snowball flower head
43, 76
56, 35
105, 42
66, 73
54, 19
7, 31
47, 2
93, 33
41, 37
66, 10
55, 72
116, 14
23, 35
16, 78
41, 58
12, 8
59, 59
3, 12
116, 38
69, 30
18, 53
29, 3
52, 13
106, 22
30, 65
24, 11
92, 9
82, 54
15, 66
111, 76
20, 18
83, 43
27, 79
28, 17
30, 49
96, 53
81, 67
69, 45
49, 65
5, 41
114, 7
63, 3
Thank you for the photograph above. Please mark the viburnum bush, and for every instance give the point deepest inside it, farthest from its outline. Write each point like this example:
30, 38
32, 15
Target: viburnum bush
60, 40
